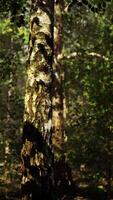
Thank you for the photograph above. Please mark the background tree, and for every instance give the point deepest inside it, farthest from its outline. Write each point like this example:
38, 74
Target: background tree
58, 97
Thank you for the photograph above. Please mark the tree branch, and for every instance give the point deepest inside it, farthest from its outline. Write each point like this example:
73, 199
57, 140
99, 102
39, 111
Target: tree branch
73, 55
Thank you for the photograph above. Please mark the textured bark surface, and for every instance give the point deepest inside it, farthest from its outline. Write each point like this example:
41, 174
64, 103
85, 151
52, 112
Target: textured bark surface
58, 93
37, 150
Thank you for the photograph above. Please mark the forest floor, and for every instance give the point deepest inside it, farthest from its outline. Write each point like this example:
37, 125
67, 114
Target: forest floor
12, 192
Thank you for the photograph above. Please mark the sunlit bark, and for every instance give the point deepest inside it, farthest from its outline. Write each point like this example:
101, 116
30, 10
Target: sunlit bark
58, 92
37, 129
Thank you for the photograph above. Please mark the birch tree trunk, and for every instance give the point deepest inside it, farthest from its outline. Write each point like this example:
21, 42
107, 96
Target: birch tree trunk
36, 151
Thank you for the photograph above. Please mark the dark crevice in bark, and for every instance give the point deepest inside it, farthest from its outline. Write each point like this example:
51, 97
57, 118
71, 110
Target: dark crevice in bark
32, 134
49, 40
39, 177
35, 20
43, 5
43, 51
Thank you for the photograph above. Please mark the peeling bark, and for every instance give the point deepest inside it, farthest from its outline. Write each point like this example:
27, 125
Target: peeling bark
36, 151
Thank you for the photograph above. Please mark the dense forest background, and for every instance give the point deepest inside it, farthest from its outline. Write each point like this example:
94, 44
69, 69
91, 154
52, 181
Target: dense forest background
87, 60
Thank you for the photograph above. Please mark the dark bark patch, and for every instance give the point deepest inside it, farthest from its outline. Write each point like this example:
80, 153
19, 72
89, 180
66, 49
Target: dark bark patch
32, 134
49, 40
36, 21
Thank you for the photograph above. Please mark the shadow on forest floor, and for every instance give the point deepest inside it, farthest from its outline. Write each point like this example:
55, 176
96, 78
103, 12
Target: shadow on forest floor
9, 192
76, 193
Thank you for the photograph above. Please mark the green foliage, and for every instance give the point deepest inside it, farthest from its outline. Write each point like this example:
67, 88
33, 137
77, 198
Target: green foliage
13, 44
88, 48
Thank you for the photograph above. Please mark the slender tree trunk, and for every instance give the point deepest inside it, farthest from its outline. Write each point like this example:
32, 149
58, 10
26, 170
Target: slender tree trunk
37, 128
58, 92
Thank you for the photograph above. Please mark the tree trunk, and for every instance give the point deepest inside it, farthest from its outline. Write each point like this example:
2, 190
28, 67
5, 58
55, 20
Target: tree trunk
58, 92
36, 151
